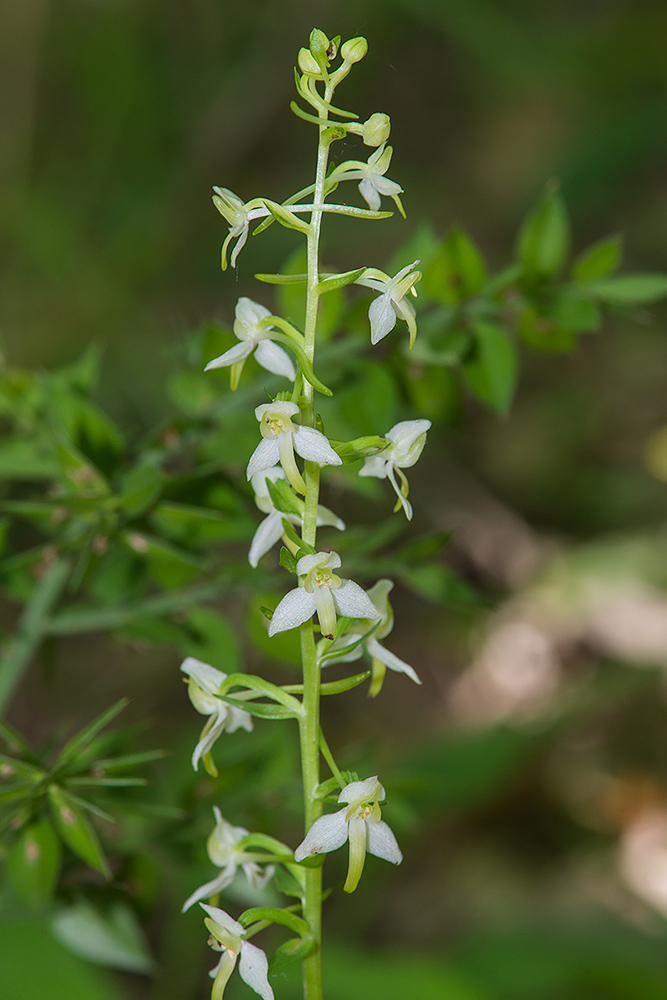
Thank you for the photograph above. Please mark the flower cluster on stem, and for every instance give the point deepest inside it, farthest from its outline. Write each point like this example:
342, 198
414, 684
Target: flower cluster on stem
285, 471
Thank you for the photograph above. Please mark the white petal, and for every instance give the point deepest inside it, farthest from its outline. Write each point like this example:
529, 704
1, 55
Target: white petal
369, 193
236, 353
248, 316
385, 186
237, 719
362, 791
404, 434
403, 500
382, 843
211, 888
254, 968
274, 359
256, 877
313, 446
295, 608
327, 833
263, 457
326, 517
353, 601
223, 918
280, 406
208, 739
382, 317
239, 244
266, 536
328, 560
390, 659
206, 676
374, 466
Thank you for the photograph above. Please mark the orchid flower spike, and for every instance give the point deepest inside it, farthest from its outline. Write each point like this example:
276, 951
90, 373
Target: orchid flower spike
281, 437
359, 822
224, 852
271, 528
381, 658
228, 936
203, 686
255, 335
406, 443
324, 593
391, 303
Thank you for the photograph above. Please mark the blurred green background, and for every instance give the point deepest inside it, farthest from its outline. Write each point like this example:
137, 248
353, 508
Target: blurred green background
530, 769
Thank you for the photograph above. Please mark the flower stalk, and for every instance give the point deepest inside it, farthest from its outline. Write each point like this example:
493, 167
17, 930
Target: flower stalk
285, 471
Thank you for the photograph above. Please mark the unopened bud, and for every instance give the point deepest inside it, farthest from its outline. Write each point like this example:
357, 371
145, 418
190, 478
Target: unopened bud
319, 46
354, 50
376, 130
308, 64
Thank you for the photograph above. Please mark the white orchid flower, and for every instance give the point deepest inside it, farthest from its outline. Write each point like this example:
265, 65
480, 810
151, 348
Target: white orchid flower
324, 593
271, 528
223, 850
391, 303
203, 686
406, 443
228, 936
359, 822
282, 437
381, 658
254, 337
238, 216
373, 183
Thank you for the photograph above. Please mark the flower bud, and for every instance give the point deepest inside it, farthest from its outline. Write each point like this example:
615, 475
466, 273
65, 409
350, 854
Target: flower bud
376, 130
319, 46
308, 63
354, 50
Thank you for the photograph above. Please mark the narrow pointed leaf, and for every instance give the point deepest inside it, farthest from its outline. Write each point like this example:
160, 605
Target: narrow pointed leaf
76, 830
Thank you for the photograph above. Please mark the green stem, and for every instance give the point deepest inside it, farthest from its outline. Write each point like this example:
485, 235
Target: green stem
32, 628
309, 724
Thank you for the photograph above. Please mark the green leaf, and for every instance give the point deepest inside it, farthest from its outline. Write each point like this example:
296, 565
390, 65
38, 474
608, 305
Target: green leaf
575, 310
540, 333
214, 640
491, 372
34, 965
169, 565
79, 744
440, 584
544, 238
631, 289
26, 459
140, 488
76, 830
283, 279
260, 709
598, 260
286, 218
113, 938
345, 684
33, 862
335, 281
283, 497
287, 560
457, 271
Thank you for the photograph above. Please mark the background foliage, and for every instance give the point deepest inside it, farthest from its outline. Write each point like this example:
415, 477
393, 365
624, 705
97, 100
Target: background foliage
527, 775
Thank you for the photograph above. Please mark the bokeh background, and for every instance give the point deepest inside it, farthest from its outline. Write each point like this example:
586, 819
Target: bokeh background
532, 764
